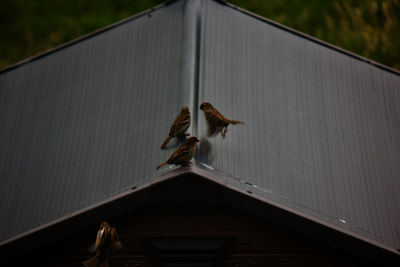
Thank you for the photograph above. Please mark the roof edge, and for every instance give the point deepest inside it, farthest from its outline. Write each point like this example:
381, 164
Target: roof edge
137, 197
83, 37
133, 189
311, 38
224, 2
213, 177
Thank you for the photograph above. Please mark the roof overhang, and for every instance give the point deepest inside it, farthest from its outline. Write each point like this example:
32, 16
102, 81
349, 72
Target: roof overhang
194, 185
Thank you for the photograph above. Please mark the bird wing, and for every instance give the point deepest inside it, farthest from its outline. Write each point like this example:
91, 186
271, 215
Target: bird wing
180, 125
99, 239
214, 120
114, 239
180, 155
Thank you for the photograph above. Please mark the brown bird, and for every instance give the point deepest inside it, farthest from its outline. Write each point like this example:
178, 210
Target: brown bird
216, 122
183, 154
179, 126
106, 239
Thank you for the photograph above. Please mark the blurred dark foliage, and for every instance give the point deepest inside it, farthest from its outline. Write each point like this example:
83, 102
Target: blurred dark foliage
28, 27
366, 27
370, 28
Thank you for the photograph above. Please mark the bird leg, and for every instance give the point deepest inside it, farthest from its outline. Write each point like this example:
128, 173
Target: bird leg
224, 130
187, 164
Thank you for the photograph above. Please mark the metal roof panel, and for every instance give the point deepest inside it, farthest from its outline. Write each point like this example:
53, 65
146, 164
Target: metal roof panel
322, 127
79, 125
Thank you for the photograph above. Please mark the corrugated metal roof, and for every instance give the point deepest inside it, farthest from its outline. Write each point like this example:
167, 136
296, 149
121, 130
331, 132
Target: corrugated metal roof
322, 128
85, 123
80, 125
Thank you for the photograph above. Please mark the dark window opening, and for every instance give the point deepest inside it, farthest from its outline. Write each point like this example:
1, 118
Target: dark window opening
187, 251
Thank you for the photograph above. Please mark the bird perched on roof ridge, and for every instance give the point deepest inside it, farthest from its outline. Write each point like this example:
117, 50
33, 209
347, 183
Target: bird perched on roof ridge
179, 126
106, 239
216, 122
183, 154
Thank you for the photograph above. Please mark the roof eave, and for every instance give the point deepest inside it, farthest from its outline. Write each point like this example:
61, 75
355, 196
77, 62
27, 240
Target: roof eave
160, 188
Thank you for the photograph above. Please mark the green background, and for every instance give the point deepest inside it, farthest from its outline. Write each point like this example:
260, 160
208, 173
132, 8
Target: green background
370, 28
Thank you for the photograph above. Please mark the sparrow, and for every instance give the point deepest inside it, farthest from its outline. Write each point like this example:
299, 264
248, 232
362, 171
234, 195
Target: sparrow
216, 122
183, 154
106, 239
179, 126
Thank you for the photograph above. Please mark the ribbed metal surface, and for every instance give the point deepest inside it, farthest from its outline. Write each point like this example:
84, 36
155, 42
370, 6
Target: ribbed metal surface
86, 122
322, 131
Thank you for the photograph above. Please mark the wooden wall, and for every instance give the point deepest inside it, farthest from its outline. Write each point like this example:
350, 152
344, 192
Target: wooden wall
251, 241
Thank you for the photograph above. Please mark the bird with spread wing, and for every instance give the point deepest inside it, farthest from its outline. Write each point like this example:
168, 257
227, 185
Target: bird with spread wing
106, 240
216, 122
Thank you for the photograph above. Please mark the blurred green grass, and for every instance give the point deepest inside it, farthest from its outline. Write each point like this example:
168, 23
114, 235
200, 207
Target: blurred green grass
28, 27
370, 28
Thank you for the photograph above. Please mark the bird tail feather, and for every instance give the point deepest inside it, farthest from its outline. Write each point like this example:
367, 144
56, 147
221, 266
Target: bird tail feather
233, 122
161, 165
96, 261
166, 142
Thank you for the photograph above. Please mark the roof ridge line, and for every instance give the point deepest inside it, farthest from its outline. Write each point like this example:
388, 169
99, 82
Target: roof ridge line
190, 59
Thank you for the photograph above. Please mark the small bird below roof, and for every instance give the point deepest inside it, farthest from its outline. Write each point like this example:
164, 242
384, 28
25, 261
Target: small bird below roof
183, 154
106, 239
216, 122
